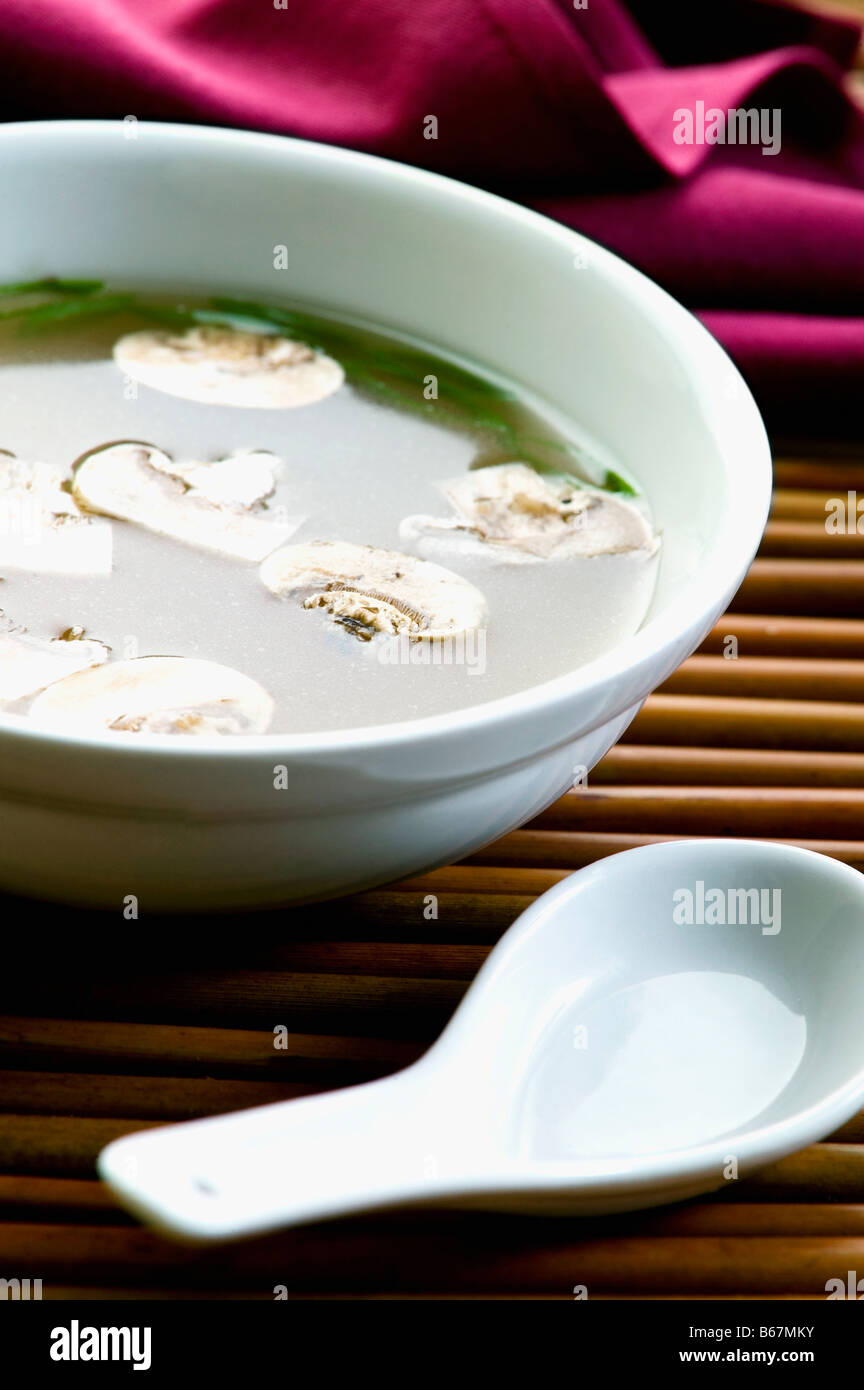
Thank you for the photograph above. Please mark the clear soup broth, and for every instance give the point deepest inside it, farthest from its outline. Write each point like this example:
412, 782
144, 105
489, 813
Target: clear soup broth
379, 445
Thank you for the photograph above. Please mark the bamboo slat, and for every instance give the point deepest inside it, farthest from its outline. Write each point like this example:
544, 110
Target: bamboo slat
829, 475
404, 1007
566, 849
767, 811
465, 1256
773, 634
809, 538
84, 1046
737, 767
815, 505
832, 588
769, 677
733, 722
150, 1097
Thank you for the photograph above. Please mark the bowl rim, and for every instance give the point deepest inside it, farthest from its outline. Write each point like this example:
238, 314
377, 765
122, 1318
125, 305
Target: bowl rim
701, 598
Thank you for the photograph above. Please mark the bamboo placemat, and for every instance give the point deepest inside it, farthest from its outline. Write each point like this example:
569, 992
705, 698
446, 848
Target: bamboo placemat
108, 1027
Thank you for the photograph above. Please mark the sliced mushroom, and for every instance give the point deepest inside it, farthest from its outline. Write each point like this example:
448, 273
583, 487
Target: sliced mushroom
512, 510
240, 481
29, 664
216, 506
368, 590
42, 529
157, 695
220, 365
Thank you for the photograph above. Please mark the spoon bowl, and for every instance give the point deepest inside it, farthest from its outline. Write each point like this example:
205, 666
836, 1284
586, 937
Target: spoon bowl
661, 1023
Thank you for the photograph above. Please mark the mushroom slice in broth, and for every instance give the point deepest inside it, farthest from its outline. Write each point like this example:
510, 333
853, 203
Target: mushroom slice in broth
368, 590
240, 481
157, 695
220, 365
215, 506
519, 514
28, 664
42, 528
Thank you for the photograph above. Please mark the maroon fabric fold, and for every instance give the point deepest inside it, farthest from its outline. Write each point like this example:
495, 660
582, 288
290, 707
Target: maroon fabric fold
576, 111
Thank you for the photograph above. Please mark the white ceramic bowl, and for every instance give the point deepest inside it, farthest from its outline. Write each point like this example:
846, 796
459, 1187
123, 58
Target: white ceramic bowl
199, 824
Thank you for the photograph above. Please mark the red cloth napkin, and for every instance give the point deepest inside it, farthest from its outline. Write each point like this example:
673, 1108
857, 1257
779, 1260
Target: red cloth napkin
572, 110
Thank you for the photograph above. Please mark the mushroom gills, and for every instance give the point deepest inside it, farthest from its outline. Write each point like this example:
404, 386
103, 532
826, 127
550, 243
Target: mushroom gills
214, 506
369, 590
516, 513
219, 365
157, 695
29, 664
42, 528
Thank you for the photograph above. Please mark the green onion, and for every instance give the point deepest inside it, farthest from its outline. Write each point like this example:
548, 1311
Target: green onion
62, 311
52, 285
613, 482
162, 313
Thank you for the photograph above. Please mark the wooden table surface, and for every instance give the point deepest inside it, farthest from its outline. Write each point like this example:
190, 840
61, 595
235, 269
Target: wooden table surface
111, 1026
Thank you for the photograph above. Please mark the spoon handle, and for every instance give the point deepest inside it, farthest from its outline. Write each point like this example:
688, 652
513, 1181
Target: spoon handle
235, 1175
